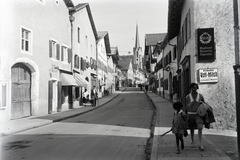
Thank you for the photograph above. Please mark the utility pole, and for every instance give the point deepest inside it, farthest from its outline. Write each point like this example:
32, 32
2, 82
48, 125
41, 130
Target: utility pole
236, 68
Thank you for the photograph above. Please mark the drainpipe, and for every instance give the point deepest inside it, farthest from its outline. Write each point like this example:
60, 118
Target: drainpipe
70, 94
237, 69
71, 18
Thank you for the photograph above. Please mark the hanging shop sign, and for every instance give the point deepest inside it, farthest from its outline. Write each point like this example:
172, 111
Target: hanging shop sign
206, 45
209, 75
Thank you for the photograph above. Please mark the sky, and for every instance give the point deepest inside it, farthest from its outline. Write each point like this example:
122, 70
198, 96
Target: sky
120, 18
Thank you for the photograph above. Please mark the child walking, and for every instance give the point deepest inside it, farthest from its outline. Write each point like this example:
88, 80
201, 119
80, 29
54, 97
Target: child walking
179, 124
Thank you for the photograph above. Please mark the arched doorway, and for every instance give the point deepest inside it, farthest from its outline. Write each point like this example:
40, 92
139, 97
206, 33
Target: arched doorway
21, 91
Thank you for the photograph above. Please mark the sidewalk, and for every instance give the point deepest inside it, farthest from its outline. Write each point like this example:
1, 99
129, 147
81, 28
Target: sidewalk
19, 125
164, 148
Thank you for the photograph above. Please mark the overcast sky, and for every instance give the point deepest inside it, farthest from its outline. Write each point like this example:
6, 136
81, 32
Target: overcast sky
119, 18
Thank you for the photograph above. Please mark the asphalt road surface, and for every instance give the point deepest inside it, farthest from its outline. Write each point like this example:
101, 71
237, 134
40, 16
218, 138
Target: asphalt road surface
116, 131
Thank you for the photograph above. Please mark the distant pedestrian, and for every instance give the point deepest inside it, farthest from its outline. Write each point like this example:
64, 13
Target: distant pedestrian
146, 87
194, 120
94, 95
179, 124
85, 96
140, 85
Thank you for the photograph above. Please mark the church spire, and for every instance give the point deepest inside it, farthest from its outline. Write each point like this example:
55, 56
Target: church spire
137, 42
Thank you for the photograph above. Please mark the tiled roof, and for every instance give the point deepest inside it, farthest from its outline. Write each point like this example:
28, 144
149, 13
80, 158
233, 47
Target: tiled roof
135, 66
124, 63
104, 34
126, 57
153, 39
80, 7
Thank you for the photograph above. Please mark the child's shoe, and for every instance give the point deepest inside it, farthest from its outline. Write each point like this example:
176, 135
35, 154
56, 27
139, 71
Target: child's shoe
178, 151
182, 144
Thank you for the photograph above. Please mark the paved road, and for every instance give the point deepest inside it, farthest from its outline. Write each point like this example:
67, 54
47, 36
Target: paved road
117, 130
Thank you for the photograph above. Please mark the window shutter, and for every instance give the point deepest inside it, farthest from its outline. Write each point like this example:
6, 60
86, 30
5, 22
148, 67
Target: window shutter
87, 64
58, 51
78, 62
50, 48
69, 55
81, 63
74, 61
84, 64
62, 53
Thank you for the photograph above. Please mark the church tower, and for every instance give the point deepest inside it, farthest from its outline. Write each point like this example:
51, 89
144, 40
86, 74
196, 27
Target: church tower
137, 51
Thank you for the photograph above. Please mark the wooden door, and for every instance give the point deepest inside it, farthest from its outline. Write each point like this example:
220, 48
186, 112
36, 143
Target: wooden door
21, 91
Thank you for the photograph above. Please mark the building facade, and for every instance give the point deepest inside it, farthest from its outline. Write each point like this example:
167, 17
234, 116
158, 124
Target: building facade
30, 65
205, 48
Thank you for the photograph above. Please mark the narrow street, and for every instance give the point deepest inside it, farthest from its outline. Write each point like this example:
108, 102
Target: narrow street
118, 130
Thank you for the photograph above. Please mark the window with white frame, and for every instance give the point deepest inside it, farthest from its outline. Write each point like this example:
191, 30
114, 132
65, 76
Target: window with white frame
64, 54
25, 40
53, 49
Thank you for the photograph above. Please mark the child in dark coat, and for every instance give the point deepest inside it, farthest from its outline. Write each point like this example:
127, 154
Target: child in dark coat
179, 124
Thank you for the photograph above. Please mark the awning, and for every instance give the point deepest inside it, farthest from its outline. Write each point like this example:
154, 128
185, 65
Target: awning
67, 80
81, 80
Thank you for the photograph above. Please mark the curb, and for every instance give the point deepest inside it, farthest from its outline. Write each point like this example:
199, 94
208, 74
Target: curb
78, 114
151, 139
55, 120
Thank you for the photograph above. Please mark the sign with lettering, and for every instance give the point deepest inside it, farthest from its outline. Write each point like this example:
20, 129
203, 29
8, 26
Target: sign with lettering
206, 45
209, 75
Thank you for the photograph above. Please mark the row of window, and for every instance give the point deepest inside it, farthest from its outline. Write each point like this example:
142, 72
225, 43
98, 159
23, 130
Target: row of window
58, 52
80, 63
185, 34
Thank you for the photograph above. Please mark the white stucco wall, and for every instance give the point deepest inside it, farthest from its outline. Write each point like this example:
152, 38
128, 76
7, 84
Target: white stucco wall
217, 14
45, 21
87, 46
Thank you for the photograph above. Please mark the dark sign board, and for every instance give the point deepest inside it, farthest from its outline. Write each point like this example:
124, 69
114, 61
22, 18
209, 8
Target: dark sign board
206, 45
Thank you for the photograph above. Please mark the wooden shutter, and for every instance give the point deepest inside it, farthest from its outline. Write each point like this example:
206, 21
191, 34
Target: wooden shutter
84, 64
59, 102
75, 61
69, 55
78, 62
81, 63
58, 52
50, 48
62, 55
50, 96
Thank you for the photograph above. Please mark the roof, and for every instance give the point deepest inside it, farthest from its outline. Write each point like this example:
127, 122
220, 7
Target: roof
80, 7
137, 42
164, 42
104, 34
126, 57
114, 53
174, 17
135, 66
124, 63
69, 3
153, 39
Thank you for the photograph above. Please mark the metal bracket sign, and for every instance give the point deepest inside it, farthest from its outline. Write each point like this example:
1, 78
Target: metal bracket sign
208, 75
